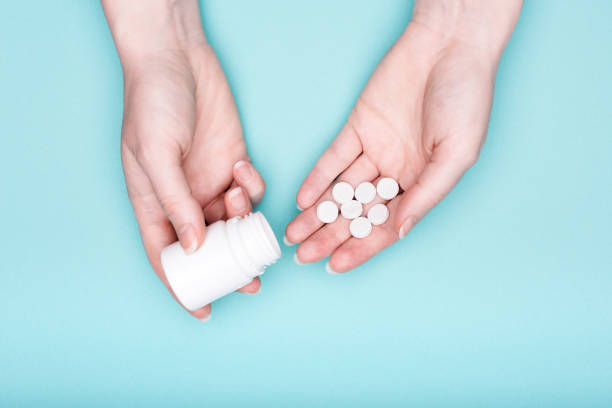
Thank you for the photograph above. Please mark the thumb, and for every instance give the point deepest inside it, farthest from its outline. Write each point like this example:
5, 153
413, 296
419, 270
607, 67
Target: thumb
436, 180
163, 167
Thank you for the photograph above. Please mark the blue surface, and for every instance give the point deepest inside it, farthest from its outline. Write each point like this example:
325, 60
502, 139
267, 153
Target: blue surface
501, 297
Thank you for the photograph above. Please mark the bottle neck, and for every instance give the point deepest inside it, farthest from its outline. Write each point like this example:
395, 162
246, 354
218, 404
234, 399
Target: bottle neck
253, 243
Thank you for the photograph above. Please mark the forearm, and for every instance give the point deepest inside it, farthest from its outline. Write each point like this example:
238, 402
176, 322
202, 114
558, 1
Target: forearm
144, 28
483, 24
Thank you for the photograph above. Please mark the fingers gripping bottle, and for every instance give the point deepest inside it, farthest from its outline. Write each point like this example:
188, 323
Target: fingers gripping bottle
233, 253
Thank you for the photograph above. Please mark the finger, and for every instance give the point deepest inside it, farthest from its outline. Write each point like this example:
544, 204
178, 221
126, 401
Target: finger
438, 178
155, 229
339, 155
156, 235
307, 222
247, 176
237, 203
202, 314
215, 211
252, 287
324, 241
163, 168
355, 251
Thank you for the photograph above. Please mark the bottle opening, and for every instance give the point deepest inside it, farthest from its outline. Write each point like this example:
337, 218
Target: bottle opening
274, 251
257, 240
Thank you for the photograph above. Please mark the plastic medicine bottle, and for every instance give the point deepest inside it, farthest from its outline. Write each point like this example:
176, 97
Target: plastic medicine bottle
233, 253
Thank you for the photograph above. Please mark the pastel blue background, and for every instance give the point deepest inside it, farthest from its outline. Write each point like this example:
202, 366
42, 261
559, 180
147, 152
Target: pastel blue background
501, 297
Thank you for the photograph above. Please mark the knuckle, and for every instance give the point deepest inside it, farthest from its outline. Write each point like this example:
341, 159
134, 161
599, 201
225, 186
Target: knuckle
340, 152
145, 153
471, 157
126, 151
150, 152
467, 156
171, 204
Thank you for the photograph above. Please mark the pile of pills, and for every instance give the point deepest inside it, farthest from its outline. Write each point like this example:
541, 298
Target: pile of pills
351, 203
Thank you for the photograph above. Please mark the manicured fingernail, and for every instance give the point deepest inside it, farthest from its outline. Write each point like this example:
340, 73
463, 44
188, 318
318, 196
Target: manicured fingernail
297, 260
287, 242
243, 170
330, 270
238, 199
299, 208
406, 227
205, 319
188, 239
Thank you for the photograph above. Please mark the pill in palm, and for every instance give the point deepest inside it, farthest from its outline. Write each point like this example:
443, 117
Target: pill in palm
327, 211
343, 192
365, 192
351, 209
360, 227
387, 188
378, 214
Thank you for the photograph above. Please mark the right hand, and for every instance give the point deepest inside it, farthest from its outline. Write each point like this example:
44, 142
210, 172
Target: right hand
182, 143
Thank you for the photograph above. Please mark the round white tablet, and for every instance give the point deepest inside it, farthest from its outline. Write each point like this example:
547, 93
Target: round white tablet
365, 192
327, 211
387, 188
378, 214
351, 209
360, 227
343, 192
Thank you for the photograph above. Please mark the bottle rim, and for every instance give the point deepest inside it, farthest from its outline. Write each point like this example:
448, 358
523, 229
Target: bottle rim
254, 243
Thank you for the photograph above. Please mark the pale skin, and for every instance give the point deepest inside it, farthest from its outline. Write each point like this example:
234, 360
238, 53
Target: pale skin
421, 119
182, 145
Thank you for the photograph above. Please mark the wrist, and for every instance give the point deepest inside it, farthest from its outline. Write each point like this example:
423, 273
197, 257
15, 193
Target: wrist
147, 29
485, 26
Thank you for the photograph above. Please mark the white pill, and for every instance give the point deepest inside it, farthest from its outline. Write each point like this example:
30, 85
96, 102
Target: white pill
387, 188
378, 214
360, 227
343, 192
327, 211
351, 209
365, 192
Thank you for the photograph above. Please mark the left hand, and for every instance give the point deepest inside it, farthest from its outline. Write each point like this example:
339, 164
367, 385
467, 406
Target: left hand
421, 119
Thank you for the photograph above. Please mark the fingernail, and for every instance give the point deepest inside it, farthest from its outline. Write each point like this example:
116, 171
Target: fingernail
188, 239
406, 227
205, 319
330, 270
238, 199
299, 208
287, 242
243, 170
297, 260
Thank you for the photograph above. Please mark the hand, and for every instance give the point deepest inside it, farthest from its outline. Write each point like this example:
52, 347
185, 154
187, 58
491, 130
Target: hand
182, 142
421, 119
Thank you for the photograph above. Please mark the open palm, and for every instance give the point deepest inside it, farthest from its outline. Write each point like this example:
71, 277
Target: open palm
421, 119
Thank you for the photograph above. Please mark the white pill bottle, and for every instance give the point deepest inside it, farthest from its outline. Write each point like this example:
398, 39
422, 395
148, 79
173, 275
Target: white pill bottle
233, 253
